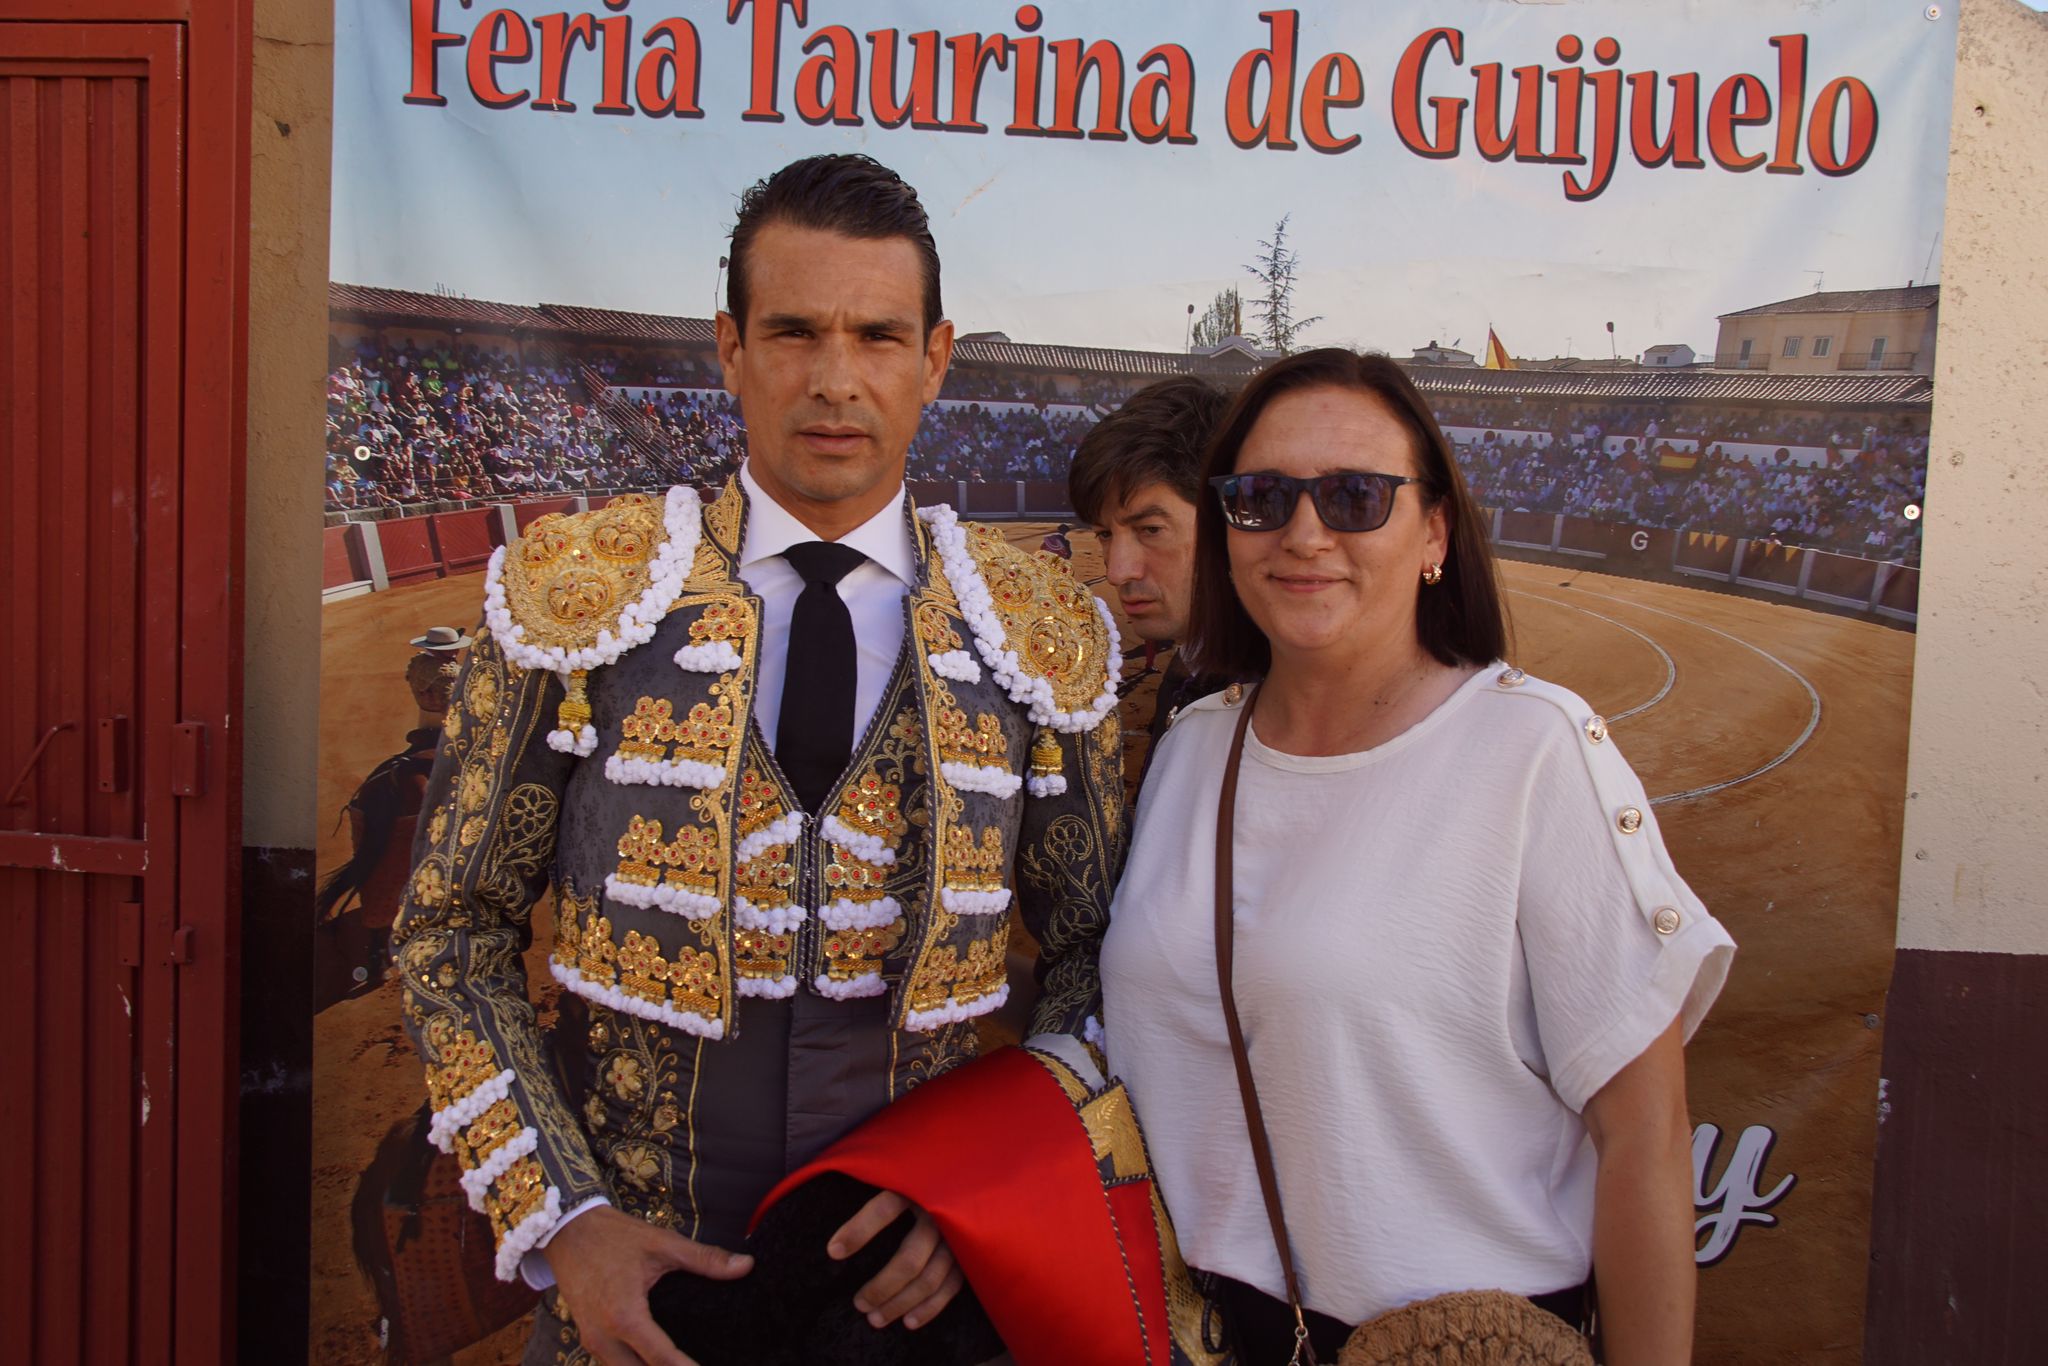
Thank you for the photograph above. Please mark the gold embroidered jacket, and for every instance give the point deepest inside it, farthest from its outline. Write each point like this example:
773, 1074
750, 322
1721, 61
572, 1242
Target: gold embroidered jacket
602, 738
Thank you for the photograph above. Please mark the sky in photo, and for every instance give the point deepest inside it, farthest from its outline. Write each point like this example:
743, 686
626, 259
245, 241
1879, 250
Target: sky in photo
1104, 243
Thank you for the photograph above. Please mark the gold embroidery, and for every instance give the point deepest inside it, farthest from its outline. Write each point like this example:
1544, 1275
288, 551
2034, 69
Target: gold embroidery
492, 1130
623, 1075
707, 734
760, 803
430, 884
854, 879
480, 696
726, 621
763, 954
1046, 757
970, 867
648, 730
638, 1163
689, 982
516, 1194
695, 860
855, 953
944, 975
641, 853
874, 807
460, 1065
1048, 618
1113, 1131
765, 880
982, 745
584, 941
722, 518
572, 575
935, 629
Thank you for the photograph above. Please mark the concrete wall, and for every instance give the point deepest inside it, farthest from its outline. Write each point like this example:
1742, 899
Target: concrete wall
1975, 870
291, 131
1961, 1188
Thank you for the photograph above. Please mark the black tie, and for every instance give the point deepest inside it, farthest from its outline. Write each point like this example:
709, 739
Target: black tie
814, 731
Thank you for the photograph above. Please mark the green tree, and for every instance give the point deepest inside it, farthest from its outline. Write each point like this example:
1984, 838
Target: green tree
1225, 318
1275, 268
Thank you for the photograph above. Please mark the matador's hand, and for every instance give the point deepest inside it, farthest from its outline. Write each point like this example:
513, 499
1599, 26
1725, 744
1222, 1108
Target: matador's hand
919, 1281
606, 1261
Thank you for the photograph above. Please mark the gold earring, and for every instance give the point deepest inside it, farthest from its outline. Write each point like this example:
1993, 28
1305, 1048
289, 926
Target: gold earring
1433, 575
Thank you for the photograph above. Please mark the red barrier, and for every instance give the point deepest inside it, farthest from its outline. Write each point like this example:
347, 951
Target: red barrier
1047, 498
1901, 591
990, 500
1842, 576
341, 556
1588, 536
1527, 528
525, 514
463, 539
931, 492
1706, 550
408, 546
1777, 565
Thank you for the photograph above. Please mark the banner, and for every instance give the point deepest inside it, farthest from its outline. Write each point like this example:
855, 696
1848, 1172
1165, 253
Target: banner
1668, 275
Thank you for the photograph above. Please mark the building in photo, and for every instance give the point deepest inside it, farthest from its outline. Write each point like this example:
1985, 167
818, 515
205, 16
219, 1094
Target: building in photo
1827, 331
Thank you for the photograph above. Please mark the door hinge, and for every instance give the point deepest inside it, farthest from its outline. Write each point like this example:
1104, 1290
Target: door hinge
188, 759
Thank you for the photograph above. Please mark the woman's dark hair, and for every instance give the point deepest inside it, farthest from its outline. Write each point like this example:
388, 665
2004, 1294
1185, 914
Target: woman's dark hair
1459, 620
846, 193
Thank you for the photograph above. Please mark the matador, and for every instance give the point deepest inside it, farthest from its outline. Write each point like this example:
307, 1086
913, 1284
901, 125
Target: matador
758, 972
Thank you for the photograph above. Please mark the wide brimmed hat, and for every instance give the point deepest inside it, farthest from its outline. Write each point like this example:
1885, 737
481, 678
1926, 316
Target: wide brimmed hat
441, 638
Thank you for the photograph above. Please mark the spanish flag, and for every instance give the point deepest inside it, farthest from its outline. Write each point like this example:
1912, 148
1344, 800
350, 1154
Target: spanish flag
1497, 357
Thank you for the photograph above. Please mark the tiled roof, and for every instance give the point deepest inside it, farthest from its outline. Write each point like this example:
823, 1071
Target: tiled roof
1684, 386
1097, 360
1850, 301
432, 308
643, 327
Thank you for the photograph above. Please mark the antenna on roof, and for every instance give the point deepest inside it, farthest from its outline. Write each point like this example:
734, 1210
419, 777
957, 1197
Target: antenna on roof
1927, 271
1818, 277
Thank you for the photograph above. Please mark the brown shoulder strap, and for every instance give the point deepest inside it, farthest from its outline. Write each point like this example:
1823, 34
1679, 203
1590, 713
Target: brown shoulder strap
1254, 1118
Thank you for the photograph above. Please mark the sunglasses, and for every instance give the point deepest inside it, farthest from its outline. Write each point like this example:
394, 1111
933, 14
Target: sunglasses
1349, 500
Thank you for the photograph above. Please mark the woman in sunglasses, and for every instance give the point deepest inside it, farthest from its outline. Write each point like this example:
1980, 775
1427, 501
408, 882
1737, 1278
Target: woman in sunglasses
1462, 961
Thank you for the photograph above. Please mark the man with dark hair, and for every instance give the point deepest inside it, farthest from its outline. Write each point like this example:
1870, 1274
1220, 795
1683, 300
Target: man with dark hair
1135, 479
786, 760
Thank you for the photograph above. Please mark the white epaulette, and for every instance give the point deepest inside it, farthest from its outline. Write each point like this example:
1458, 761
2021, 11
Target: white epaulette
1666, 904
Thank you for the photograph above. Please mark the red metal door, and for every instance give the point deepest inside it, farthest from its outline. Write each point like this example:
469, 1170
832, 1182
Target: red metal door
103, 767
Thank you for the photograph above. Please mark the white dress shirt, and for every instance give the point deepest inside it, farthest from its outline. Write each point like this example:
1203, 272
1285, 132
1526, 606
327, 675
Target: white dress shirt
873, 594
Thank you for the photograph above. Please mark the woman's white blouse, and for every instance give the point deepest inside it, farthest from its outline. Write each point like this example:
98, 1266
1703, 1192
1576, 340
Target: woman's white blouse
1445, 945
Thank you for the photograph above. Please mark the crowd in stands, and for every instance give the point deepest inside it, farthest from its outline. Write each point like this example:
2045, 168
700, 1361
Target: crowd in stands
409, 424
967, 441
1564, 419
1854, 503
992, 385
